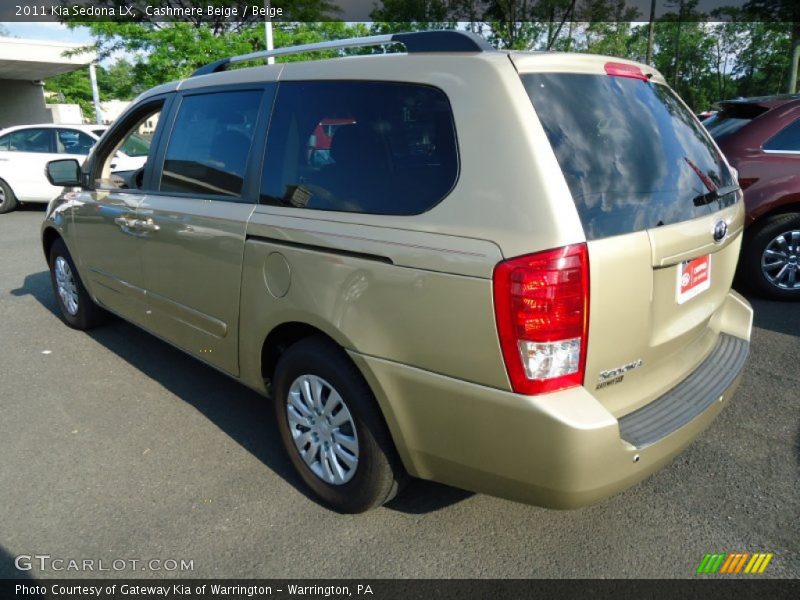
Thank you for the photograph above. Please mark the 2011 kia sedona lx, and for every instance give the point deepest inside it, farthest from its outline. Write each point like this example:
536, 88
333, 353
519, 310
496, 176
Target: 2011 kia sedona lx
508, 272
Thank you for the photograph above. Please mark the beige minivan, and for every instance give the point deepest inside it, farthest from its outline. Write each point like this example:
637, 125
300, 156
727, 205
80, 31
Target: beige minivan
508, 272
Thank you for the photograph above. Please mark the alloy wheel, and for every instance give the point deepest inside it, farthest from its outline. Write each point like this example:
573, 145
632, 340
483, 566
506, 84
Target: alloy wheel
780, 262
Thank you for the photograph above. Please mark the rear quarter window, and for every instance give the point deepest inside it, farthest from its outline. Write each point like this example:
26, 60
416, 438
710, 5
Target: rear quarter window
32, 140
633, 156
786, 140
355, 146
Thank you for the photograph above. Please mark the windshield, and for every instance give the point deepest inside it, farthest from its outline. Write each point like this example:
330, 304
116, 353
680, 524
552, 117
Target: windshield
633, 156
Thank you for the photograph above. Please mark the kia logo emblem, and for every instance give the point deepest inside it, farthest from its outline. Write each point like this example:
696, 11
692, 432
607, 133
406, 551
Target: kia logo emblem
720, 231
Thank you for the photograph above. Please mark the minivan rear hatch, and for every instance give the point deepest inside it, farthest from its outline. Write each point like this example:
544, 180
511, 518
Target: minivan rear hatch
662, 217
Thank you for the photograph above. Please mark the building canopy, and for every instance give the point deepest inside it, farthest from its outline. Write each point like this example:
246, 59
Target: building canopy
37, 60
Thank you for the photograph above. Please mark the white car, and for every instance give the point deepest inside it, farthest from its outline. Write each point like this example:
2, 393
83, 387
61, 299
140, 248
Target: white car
25, 151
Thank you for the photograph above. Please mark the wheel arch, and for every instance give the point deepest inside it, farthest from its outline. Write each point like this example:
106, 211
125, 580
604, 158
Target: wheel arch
787, 204
285, 334
49, 237
280, 338
14, 200
750, 271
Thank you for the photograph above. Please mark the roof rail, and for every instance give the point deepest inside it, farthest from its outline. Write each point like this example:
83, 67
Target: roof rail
446, 40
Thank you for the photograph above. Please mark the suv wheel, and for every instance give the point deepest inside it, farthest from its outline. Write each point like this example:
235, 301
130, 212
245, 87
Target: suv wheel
332, 429
77, 309
771, 257
8, 201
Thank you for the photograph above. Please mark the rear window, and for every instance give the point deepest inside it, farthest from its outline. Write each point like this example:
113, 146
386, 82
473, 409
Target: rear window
633, 156
723, 125
732, 118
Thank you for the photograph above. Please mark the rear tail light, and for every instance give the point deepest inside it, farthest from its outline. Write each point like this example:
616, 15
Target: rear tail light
541, 304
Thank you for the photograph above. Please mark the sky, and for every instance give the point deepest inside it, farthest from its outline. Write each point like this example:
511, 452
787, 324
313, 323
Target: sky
56, 32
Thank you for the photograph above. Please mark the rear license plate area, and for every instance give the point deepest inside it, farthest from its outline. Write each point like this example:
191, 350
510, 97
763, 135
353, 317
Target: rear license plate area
694, 277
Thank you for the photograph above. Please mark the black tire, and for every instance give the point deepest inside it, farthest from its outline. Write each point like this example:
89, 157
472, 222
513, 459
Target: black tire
756, 242
8, 201
378, 474
88, 315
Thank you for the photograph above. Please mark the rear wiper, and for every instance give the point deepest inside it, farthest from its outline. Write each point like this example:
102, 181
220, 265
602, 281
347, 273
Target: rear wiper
716, 194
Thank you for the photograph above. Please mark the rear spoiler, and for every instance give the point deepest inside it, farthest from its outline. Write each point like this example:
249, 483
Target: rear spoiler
742, 108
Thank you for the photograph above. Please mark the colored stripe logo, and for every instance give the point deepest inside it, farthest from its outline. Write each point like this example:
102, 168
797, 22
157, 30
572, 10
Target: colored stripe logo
735, 563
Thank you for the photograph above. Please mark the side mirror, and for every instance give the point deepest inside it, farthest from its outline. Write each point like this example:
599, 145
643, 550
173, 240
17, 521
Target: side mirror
64, 173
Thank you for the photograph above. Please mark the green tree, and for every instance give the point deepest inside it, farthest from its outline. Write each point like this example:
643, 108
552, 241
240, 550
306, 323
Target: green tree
395, 16
787, 13
609, 26
398, 16
294, 34
637, 43
704, 61
161, 51
683, 53
763, 65
157, 52
520, 24
728, 38
73, 88
118, 81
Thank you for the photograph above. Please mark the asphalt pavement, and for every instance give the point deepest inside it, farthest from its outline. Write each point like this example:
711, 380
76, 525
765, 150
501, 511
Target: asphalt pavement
116, 447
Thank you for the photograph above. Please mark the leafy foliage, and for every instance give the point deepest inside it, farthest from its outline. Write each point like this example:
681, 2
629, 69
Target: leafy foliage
744, 51
731, 52
73, 88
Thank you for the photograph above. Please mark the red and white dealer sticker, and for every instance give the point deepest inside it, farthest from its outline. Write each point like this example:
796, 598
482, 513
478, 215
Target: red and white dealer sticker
694, 277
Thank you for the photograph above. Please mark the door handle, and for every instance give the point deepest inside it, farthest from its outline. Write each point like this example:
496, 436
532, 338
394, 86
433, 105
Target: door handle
147, 225
132, 226
125, 222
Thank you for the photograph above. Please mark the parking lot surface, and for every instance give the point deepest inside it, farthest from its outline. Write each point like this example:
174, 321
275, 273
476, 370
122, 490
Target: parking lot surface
115, 446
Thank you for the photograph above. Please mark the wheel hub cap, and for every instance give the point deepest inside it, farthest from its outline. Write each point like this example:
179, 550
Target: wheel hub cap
780, 261
322, 429
65, 283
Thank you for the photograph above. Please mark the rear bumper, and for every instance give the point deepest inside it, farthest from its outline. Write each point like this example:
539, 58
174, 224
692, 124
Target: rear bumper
560, 450
690, 398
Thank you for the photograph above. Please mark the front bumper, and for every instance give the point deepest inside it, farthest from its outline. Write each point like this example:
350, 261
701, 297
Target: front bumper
560, 450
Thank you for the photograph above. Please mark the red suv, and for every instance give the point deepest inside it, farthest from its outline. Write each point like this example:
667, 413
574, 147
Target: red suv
761, 138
